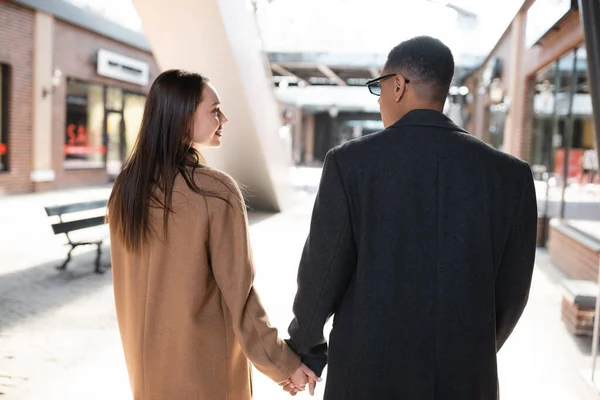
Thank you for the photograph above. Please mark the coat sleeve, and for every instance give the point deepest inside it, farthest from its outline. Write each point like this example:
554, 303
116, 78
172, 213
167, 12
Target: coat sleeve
328, 261
513, 278
233, 269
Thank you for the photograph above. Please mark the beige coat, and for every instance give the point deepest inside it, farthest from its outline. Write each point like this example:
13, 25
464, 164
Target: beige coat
190, 319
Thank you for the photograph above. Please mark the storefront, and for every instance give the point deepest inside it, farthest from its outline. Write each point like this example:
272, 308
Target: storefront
72, 95
513, 107
486, 103
101, 125
562, 116
16, 71
98, 105
538, 107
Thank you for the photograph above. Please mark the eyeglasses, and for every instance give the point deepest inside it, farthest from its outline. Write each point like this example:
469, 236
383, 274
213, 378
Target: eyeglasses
374, 85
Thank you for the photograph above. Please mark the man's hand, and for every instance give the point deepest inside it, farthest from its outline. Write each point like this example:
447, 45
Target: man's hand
298, 380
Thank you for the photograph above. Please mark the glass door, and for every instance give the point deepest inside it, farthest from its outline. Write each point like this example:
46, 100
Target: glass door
115, 152
132, 114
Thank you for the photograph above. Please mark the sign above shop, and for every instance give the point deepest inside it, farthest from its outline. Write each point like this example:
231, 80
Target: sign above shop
117, 66
542, 16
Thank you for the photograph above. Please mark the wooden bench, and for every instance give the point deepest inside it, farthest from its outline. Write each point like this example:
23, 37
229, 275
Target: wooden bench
78, 224
576, 252
578, 306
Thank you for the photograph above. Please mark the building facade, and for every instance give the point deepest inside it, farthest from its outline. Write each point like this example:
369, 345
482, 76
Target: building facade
532, 98
16, 106
73, 88
532, 84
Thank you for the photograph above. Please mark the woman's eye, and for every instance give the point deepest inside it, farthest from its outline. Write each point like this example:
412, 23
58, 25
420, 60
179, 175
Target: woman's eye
216, 111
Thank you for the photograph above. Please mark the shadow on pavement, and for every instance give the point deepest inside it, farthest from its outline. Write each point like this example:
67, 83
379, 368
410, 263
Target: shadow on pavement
42, 288
310, 189
255, 217
584, 343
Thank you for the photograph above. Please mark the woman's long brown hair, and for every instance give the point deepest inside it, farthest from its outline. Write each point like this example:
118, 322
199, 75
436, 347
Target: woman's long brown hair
163, 150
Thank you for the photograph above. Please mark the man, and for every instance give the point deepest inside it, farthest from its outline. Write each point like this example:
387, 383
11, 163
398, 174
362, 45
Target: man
422, 243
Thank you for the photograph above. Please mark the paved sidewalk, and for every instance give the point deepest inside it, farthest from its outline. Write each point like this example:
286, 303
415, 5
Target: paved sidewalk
542, 360
59, 338
26, 238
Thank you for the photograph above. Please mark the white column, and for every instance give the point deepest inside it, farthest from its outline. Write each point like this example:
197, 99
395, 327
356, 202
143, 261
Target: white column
43, 46
219, 39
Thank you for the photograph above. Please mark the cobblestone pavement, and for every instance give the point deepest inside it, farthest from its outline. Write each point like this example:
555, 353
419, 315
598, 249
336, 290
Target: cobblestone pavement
59, 338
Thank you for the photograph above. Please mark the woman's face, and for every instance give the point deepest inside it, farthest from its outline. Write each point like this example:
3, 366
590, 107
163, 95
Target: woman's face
208, 119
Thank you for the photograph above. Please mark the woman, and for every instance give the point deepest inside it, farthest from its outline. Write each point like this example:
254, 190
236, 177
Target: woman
188, 314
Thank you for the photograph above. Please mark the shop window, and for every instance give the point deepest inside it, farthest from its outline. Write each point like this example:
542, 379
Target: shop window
84, 144
546, 125
4, 82
101, 127
563, 125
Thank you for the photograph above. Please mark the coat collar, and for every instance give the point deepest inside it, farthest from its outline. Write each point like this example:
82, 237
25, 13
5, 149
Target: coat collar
427, 118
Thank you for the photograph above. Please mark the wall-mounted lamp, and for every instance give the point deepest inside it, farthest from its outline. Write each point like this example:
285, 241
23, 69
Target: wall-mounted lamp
56, 78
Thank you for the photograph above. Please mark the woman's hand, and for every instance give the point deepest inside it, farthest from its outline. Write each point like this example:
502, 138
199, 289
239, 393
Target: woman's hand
298, 380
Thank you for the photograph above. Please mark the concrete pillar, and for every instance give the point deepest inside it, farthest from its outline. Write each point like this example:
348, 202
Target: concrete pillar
43, 70
220, 39
298, 129
309, 137
590, 19
514, 129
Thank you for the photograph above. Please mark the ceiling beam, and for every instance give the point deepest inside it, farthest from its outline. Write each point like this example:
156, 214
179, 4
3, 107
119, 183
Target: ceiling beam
282, 71
325, 70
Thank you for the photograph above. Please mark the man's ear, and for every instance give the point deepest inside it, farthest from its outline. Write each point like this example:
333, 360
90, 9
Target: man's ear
399, 88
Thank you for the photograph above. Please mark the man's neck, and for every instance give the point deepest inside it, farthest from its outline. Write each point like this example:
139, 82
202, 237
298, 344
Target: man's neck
432, 107
428, 106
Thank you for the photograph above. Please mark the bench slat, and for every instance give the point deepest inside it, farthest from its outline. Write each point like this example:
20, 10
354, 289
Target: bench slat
70, 208
65, 227
579, 236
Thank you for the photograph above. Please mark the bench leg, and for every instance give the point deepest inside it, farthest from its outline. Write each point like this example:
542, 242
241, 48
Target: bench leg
99, 269
64, 265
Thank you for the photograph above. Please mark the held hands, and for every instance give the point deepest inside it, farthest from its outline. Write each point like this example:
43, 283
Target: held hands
298, 380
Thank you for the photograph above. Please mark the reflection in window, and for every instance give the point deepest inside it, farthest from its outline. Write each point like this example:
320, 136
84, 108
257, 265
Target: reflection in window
3, 117
84, 146
497, 117
544, 121
553, 96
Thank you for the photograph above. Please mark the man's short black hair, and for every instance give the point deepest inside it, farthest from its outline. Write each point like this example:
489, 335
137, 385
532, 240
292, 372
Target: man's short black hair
426, 62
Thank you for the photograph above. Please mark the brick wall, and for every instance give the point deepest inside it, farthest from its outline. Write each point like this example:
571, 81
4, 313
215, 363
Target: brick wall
16, 51
74, 53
